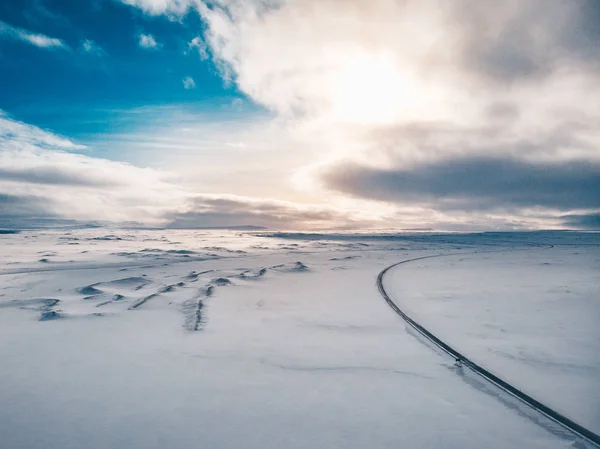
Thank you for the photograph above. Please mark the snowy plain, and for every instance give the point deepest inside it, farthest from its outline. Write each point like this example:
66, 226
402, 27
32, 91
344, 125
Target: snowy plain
181, 339
531, 317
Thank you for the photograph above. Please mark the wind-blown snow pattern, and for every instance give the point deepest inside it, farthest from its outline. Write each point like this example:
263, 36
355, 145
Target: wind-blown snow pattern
188, 339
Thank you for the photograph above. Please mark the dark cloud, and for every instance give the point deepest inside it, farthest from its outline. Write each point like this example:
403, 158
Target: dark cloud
23, 211
51, 176
12, 206
494, 137
476, 183
582, 221
507, 44
227, 212
502, 112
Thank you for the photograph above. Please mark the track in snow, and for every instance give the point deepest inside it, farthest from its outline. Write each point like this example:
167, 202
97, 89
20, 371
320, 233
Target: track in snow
468, 363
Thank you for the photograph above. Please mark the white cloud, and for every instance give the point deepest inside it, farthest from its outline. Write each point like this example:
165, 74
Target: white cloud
199, 45
387, 62
38, 40
14, 133
366, 72
188, 83
155, 7
40, 176
90, 47
38, 164
147, 41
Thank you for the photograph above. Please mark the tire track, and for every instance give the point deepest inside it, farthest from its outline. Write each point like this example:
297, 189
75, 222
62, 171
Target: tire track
466, 362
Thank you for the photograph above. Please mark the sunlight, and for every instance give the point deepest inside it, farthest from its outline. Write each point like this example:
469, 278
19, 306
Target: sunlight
370, 90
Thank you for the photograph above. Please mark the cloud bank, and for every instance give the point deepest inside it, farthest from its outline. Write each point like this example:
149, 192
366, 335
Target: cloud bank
589, 221
476, 183
469, 106
292, 55
44, 176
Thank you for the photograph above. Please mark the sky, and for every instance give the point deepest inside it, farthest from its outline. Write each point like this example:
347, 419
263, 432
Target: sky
301, 114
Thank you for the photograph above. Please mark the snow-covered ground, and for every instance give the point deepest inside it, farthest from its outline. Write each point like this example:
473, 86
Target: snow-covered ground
197, 339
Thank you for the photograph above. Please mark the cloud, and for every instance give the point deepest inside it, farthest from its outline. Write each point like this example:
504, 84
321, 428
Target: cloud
476, 183
49, 175
35, 39
15, 134
22, 207
232, 210
43, 177
589, 221
357, 58
147, 41
188, 83
42, 168
290, 67
512, 41
156, 7
200, 46
90, 47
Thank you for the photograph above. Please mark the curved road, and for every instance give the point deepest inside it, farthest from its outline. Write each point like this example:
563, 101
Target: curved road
515, 392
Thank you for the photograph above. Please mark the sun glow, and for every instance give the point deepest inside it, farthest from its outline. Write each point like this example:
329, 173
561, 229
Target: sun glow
370, 91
